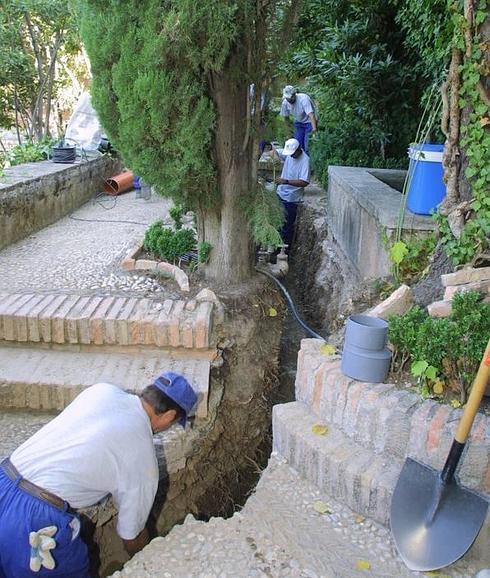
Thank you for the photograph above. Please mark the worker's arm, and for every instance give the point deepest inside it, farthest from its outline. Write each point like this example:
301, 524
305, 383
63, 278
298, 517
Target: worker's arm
292, 182
312, 118
138, 543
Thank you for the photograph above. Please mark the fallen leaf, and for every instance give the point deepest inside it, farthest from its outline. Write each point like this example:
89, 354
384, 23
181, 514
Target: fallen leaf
272, 312
321, 507
360, 519
255, 305
327, 349
319, 429
484, 121
363, 565
436, 575
455, 403
438, 387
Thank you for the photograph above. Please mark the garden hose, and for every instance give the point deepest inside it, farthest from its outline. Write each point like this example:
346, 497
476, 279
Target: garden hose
291, 304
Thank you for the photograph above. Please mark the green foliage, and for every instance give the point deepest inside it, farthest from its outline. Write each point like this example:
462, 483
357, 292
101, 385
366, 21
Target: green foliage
446, 348
475, 140
34, 36
150, 66
362, 76
410, 258
176, 213
204, 250
265, 214
28, 152
167, 244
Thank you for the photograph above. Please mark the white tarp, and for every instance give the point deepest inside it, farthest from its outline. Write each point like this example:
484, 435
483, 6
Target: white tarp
84, 129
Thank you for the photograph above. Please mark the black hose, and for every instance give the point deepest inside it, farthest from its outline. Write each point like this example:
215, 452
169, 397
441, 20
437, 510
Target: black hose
291, 304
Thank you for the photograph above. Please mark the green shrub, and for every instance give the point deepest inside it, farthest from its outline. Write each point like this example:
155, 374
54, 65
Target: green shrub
452, 346
410, 258
29, 152
176, 213
167, 244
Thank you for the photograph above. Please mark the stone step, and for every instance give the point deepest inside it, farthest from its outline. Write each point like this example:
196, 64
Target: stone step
333, 462
50, 379
388, 420
66, 318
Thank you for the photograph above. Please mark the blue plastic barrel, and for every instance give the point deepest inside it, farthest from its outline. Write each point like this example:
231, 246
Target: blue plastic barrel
427, 189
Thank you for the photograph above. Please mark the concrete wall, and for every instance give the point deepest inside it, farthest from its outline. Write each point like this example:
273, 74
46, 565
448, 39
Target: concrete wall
34, 195
362, 210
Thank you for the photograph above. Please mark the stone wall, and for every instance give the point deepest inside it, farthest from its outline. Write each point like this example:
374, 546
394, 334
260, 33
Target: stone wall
34, 195
362, 211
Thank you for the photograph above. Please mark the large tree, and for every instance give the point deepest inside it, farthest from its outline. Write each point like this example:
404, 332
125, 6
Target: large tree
171, 84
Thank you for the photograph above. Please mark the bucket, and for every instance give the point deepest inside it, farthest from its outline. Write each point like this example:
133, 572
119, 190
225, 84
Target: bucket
119, 183
427, 189
365, 356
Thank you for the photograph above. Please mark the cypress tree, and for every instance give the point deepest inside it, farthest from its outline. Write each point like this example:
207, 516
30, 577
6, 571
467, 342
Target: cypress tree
171, 86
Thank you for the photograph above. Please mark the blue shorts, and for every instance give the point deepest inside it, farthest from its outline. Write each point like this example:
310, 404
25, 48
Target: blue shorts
20, 514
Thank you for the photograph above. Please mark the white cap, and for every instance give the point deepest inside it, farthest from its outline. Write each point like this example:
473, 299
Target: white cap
288, 91
290, 147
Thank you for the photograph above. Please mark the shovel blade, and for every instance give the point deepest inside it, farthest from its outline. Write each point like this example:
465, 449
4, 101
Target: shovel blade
433, 528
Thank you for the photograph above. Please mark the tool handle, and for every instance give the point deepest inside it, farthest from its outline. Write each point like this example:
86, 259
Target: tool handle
476, 394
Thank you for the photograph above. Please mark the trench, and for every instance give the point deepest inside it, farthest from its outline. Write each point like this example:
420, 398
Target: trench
232, 450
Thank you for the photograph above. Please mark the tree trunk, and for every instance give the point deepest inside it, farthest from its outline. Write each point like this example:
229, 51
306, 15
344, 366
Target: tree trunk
226, 229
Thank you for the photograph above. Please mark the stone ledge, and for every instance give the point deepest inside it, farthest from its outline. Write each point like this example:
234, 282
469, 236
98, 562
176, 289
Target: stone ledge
69, 318
387, 420
49, 379
34, 195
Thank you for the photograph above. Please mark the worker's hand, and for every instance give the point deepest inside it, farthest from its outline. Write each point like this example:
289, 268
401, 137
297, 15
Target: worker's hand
281, 181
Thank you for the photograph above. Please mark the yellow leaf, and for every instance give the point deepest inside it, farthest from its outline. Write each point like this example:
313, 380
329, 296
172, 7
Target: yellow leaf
319, 429
363, 565
328, 349
272, 312
436, 575
321, 507
455, 403
360, 519
438, 387
484, 121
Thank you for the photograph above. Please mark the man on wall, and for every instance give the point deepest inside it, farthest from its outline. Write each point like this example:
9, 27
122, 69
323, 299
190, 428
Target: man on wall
302, 108
102, 443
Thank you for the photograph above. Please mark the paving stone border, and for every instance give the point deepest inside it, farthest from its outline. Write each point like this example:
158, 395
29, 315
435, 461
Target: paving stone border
132, 263
391, 422
105, 320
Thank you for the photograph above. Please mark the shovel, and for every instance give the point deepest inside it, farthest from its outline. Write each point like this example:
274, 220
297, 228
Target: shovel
434, 520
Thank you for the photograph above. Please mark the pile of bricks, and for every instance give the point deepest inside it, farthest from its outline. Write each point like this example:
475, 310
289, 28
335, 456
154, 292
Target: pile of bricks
464, 280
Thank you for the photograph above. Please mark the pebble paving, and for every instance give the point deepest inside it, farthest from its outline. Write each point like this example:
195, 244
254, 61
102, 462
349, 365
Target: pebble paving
85, 255
279, 533
17, 427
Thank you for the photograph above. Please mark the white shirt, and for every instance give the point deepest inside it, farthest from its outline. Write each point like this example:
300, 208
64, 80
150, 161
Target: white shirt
294, 170
102, 443
300, 108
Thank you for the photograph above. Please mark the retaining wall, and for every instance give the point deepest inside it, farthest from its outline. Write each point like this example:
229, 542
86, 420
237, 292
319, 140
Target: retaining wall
362, 212
35, 195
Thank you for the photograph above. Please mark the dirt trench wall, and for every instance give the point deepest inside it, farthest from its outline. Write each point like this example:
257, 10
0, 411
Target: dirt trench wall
224, 453
324, 282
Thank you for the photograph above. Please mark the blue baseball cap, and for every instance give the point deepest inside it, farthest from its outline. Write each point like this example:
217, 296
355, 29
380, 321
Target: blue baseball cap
178, 389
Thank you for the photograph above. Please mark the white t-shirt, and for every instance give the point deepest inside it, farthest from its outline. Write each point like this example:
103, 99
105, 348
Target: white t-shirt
294, 170
102, 443
300, 108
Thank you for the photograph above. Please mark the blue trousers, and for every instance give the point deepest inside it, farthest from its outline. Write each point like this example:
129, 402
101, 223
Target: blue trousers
287, 231
301, 132
20, 514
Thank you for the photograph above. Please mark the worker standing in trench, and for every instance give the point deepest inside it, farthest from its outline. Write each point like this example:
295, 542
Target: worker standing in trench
102, 443
301, 106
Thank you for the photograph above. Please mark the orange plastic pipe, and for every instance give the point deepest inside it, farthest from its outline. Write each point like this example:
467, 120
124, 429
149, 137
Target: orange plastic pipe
119, 183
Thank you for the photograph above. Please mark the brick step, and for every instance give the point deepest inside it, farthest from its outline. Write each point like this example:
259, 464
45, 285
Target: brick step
387, 420
50, 379
105, 320
335, 464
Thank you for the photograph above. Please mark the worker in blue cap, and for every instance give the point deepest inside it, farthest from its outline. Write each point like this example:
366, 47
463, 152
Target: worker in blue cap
101, 444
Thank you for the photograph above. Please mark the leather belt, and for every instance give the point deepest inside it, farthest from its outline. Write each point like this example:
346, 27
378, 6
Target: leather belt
36, 491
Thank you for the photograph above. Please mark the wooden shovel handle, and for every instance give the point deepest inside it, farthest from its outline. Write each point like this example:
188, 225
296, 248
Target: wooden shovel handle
476, 394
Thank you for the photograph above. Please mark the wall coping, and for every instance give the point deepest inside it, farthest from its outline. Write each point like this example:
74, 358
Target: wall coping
376, 197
